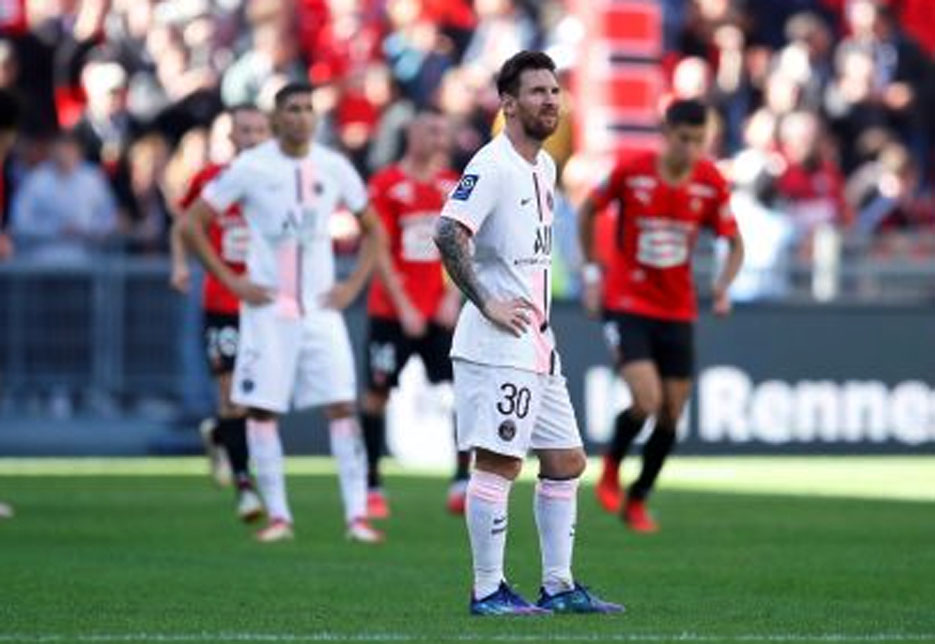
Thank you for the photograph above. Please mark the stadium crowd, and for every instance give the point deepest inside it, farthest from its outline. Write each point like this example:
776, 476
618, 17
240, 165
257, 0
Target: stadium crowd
825, 107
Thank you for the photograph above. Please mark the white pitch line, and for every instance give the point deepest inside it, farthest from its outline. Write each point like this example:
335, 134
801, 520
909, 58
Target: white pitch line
376, 637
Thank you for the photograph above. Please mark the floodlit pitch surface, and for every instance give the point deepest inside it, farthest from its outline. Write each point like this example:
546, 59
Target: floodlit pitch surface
752, 550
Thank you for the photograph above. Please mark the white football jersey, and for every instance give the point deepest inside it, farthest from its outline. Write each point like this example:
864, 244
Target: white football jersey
287, 203
508, 204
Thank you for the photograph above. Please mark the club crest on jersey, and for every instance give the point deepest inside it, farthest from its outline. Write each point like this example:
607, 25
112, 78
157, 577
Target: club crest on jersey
465, 187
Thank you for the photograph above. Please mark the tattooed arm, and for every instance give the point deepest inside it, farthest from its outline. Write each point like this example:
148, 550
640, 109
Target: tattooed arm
454, 244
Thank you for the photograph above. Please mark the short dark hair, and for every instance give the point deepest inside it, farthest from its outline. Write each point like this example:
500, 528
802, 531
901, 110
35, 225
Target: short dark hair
10, 111
512, 69
686, 112
289, 90
242, 107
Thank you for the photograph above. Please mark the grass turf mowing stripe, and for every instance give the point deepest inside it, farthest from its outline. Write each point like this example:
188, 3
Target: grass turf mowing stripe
397, 637
907, 478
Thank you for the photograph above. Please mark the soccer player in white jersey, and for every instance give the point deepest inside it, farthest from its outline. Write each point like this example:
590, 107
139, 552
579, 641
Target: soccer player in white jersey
295, 350
510, 396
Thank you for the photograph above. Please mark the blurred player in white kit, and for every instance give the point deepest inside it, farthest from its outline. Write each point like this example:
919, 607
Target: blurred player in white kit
294, 347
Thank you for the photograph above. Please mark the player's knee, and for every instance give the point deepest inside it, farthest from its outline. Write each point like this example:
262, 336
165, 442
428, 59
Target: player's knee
229, 409
562, 464
646, 404
506, 466
261, 414
339, 410
668, 417
374, 401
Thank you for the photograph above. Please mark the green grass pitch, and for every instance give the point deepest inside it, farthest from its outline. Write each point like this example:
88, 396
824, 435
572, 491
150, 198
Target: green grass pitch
752, 550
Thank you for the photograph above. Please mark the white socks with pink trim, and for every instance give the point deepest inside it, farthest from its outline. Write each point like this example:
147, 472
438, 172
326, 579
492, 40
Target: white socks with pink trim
556, 508
269, 467
348, 449
486, 516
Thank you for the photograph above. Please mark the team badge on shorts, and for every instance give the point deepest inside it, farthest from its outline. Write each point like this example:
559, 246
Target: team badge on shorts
507, 430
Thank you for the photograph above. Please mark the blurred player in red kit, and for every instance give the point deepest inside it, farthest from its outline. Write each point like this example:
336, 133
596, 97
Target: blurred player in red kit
647, 295
225, 436
412, 311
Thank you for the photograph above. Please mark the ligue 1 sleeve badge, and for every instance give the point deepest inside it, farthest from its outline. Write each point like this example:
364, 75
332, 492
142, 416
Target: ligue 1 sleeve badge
465, 187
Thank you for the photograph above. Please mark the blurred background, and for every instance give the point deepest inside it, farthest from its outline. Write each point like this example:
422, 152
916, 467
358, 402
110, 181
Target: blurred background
823, 117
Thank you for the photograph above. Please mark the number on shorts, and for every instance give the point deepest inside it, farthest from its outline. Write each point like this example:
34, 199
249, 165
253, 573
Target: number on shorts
515, 400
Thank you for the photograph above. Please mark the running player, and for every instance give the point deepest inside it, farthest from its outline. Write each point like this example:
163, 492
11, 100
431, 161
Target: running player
413, 311
294, 345
510, 395
226, 437
648, 295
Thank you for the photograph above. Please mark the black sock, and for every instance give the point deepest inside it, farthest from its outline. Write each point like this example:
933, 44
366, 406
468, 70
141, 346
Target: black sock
233, 435
626, 426
463, 466
374, 430
655, 451
217, 436
462, 459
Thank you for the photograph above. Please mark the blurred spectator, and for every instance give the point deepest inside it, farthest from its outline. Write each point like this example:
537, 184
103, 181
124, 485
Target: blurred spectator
9, 123
852, 104
810, 38
274, 51
416, 50
899, 70
768, 233
149, 218
387, 143
65, 207
107, 128
503, 28
810, 190
885, 193
459, 98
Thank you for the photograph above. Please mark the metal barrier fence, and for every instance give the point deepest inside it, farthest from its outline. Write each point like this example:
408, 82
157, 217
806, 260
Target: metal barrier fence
107, 326
109, 332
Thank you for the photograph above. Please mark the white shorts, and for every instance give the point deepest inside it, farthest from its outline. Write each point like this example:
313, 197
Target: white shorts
510, 411
297, 362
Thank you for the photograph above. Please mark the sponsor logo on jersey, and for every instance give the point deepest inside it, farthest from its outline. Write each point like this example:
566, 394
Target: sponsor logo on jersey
641, 182
543, 243
403, 191
701, 190
465, 187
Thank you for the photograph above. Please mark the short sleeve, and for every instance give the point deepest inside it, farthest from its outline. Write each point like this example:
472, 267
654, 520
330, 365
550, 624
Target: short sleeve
192, 192
609, 189
721, 217
228, 187
353, 190
473, 199
380, 200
